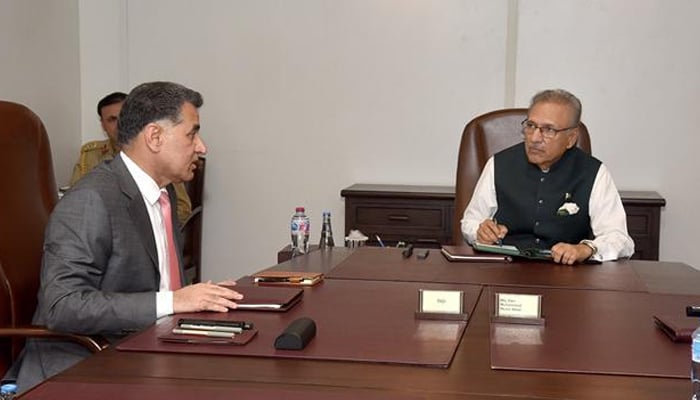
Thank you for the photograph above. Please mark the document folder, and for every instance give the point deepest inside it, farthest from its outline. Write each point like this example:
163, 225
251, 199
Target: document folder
287, 278
531, 253
678, 328
467, 254
267, 298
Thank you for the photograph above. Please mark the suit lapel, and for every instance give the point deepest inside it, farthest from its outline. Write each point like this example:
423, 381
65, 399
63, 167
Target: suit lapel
136, 208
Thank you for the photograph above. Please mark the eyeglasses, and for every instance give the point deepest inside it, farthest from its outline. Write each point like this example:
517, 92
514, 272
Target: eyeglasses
548, 132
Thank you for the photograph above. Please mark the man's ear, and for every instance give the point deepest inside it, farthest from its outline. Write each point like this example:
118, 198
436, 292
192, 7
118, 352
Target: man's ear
573, 138
153, 136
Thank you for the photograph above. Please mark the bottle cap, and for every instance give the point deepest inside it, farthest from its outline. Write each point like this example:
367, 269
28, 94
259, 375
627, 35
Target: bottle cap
299, 209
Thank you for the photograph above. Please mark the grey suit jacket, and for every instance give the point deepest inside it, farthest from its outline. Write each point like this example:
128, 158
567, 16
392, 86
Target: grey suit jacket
99, 269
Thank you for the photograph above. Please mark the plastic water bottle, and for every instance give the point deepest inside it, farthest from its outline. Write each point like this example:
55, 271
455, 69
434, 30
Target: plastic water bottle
695, 364
8, 391
326, 232
300, 232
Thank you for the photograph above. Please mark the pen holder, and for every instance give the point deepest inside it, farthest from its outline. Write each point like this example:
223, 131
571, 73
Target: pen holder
297, 335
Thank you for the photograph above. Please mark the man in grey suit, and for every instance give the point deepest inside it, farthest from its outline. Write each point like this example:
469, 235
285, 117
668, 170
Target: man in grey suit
106, 266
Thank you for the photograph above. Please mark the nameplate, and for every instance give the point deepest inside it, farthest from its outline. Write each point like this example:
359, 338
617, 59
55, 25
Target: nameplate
441, 301
510, 305
441, 305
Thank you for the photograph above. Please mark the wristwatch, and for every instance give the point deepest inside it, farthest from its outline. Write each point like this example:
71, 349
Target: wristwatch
591, 245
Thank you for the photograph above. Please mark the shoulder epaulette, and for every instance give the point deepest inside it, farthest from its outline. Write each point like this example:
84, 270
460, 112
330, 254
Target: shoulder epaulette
94, 145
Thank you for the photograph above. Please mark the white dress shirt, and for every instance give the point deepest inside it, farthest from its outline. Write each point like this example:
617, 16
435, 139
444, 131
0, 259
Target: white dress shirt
608, 219
151, 193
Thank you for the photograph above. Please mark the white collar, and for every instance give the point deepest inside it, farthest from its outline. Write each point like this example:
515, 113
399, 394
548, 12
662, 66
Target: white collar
147, 186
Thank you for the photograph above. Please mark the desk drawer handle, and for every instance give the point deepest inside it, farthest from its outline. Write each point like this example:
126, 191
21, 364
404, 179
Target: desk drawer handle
398, 217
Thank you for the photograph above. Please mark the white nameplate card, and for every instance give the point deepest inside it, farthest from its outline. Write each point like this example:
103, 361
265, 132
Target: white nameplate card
512, 305
441, 301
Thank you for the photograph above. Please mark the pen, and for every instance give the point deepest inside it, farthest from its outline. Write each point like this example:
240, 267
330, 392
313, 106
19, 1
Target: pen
212, 328
499, 241
195, 341
379, 240
180, 331
214, 322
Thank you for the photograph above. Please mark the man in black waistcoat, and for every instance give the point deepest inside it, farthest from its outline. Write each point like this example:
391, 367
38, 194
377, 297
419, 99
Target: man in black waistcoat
546, 193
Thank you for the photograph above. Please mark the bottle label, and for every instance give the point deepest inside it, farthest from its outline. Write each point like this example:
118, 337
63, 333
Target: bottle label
300, 225
696, 349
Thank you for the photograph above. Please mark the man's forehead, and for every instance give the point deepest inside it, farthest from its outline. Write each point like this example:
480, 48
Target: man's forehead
188, 111
112, 109
550, 111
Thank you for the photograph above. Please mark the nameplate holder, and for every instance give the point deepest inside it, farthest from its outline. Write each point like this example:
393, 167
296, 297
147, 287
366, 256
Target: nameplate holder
511, 308
441, 305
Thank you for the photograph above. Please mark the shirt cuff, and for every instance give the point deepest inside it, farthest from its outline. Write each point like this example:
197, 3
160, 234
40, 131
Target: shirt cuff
594, 249
164, 303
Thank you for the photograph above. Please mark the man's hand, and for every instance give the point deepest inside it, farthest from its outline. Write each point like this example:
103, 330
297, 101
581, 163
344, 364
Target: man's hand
205, 297
566, 253
490, 232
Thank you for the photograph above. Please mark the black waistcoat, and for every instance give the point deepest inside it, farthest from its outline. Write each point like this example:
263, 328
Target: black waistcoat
528, 199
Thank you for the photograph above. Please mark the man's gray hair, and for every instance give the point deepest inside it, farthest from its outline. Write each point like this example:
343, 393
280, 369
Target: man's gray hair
150, 102
560, 96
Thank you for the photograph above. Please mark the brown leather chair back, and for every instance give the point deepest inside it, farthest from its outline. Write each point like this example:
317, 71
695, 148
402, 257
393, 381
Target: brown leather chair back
484, 136
28, 196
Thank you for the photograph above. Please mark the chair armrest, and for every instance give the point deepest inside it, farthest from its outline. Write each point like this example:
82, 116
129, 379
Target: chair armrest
93, 344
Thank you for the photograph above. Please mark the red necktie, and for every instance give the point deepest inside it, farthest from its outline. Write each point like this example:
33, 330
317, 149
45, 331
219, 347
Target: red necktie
173, 265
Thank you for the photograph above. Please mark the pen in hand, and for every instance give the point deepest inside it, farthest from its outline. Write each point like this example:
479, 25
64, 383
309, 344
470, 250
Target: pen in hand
499, 241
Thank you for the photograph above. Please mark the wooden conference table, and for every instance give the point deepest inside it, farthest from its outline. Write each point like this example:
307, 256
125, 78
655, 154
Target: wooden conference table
634, 361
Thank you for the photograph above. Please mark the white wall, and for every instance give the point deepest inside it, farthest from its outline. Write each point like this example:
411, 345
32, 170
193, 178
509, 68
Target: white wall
305, 98
635, 66
103, 60
333, 93
39, 68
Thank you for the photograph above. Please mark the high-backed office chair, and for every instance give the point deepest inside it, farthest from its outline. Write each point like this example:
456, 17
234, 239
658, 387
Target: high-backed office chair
192, 227
28, 196
484, 136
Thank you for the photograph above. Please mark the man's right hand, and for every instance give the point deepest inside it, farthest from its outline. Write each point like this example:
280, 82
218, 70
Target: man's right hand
490, 232
204, 297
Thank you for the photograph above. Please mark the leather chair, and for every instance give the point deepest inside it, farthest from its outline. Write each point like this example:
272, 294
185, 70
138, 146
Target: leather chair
191, 229
28, 196
484, 136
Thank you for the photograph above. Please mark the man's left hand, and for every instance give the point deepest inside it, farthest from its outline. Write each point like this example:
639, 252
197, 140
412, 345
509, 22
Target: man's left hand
565, 253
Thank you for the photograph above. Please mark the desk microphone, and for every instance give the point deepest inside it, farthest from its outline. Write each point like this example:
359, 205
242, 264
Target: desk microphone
408, 251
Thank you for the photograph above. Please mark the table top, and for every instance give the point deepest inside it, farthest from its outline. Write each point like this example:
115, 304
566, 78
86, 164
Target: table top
470, 374
364, 265
352, 318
